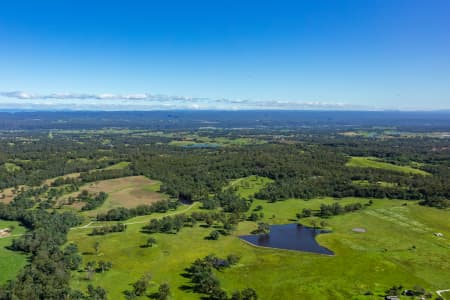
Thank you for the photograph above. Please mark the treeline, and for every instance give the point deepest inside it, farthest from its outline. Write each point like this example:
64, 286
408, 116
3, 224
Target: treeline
92, 201
298, 171
204, 280
309, 167
173, 224
228, 200
328, 210
437, 202
119, 227
47, 275
122, 213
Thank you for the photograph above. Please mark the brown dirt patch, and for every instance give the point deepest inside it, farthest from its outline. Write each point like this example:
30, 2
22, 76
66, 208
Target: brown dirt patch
5, 232
126, 191
8, 195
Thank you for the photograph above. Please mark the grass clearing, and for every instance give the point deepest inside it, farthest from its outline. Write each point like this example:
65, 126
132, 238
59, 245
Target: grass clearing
128, 192
249, 186
11, 262
119, 166
378, 183
11, 167
375, 260
372, 162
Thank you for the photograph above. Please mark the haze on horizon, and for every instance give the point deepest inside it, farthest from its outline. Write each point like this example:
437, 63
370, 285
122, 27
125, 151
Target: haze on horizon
146, 55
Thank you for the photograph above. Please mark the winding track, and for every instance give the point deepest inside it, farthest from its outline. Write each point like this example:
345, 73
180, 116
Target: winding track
89, 225
442, 291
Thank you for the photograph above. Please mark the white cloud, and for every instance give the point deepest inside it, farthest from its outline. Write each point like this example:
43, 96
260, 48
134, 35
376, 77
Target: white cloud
146, 101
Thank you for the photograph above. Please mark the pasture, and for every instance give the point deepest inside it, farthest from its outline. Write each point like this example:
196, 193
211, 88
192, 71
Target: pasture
11, 167
398, 247
10, 262
371, 162
127, 192
248, 186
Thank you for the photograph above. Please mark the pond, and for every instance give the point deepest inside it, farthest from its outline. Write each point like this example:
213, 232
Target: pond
290, 236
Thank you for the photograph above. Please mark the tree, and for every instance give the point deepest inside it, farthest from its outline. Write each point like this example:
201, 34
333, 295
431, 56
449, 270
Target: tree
218, 294
71, 257
214, 235
164, 291
306, 212
150, 242
97, 247
90, 268
245, 294
104, 265
263, 228
140, 286
96, 293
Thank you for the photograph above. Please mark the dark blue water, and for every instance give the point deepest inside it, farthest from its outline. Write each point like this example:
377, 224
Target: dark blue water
289, 236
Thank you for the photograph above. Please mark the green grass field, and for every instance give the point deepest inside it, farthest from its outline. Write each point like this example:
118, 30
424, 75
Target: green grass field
379, 183
249, 186
10, 262
119, 166
374, 260
371, 162
446, 295
11, 167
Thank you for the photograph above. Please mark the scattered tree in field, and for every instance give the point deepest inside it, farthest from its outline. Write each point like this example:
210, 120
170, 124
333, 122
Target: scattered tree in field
214, 235
245, 294
263, 228
164, 291
150, 242
119, 227
141, 286
104, 266
203, 278
90, 268
97, 247
96, 293
306, 212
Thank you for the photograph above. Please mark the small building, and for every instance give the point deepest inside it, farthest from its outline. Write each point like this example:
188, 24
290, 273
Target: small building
438, 234
391, 298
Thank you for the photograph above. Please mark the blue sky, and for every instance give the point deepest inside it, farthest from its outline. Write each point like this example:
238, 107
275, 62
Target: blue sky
315, 54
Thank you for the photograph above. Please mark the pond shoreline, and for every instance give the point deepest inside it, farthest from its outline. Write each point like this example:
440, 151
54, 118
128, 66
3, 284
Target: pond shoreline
294, 237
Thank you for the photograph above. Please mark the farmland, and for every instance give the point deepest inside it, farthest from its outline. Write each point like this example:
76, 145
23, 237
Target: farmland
108, 208
10, 262
385, 249
370, 162
124, 192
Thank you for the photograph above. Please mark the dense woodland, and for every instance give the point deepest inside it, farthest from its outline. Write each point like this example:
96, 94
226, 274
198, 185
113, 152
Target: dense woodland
301, 162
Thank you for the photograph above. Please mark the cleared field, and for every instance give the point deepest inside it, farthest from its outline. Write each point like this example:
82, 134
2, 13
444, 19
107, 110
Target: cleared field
126, 191
379, 183
192, 140
372, 261
119, 166
249, 186
371, 162
11, 167
10, 262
